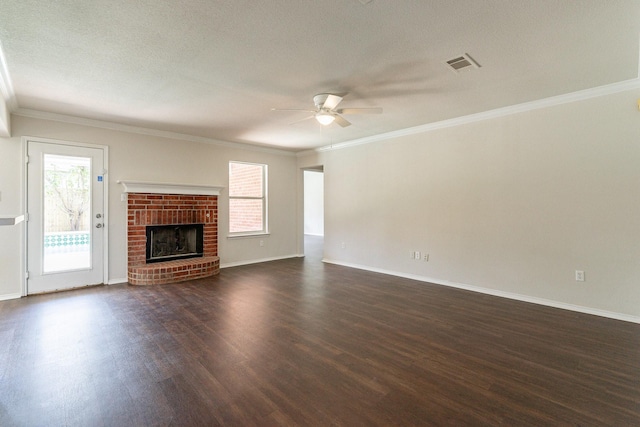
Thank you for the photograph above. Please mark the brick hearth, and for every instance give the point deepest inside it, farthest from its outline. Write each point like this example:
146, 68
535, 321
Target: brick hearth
168, 209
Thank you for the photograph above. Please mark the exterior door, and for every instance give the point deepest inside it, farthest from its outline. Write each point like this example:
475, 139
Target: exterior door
65, 222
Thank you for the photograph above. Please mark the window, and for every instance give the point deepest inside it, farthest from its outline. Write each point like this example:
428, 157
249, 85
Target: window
247, 198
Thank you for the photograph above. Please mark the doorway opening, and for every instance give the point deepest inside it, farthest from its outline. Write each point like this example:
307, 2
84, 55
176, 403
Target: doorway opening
314, 212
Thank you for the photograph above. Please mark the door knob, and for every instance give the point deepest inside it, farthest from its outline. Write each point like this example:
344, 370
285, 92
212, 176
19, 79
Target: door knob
98, 225
98, 215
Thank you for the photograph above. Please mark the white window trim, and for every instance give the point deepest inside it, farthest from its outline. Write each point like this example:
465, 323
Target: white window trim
264, 198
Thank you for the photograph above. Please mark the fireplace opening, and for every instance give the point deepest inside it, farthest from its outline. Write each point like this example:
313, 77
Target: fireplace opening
171, 242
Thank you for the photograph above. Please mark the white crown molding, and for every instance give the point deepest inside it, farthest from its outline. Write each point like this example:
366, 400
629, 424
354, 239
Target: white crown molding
102, 124
487, 115
169, 188
6, 88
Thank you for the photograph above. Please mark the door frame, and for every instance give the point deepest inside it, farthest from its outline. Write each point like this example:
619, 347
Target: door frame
300, 204
105, 201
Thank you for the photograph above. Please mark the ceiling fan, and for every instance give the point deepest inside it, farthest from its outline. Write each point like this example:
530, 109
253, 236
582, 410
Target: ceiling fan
327, 113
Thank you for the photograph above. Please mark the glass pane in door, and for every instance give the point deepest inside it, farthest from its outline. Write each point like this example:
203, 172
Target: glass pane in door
67, 213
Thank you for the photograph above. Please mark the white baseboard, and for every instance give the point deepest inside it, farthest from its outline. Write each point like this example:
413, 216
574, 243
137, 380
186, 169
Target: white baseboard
497, 293
256, 261
117, 281
10, 296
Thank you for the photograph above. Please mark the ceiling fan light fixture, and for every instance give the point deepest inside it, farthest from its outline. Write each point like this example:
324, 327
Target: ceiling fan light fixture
325, 118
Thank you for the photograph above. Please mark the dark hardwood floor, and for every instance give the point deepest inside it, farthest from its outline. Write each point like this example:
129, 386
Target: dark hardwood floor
298, 342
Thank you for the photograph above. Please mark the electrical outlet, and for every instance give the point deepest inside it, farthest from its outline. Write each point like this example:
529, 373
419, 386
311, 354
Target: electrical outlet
343, 245
426, 257
417, 255
261, 243
579, 276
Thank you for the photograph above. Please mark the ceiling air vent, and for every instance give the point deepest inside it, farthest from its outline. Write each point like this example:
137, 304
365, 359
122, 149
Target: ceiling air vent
462, 62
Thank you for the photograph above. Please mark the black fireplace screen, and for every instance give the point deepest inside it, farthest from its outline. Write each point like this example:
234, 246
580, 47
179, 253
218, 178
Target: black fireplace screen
170, 242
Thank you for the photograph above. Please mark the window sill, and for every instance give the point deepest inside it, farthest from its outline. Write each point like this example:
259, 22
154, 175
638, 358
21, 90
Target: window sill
246, 235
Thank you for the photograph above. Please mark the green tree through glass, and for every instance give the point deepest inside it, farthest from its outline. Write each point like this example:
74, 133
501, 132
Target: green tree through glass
70, 188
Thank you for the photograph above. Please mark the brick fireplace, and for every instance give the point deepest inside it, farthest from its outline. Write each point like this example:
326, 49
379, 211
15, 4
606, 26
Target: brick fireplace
150, 204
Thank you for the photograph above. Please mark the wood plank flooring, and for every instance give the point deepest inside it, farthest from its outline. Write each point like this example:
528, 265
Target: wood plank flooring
298, 342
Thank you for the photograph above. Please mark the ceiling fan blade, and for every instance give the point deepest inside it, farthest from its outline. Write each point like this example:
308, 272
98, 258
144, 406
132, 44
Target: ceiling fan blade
341, 121
331, 102
360, 111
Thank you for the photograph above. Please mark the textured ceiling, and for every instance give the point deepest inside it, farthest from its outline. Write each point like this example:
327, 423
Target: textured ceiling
215, 69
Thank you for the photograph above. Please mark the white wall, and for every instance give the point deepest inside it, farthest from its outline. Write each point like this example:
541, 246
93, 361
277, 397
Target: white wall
150, 158
314, 203
11, 245
511, 205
